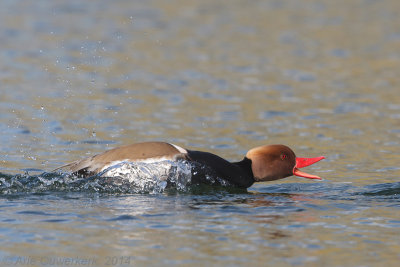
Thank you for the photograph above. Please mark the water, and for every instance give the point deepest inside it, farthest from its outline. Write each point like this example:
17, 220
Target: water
77, 78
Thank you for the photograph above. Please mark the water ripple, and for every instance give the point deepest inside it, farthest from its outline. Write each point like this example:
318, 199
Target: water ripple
124, 217
129, 178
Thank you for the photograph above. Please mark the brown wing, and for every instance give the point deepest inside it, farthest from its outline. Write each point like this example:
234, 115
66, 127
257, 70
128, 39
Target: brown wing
134, 152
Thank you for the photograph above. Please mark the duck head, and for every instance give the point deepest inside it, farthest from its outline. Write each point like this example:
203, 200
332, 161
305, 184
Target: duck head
275, 162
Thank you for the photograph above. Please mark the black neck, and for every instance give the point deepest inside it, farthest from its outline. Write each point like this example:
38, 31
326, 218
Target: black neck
245, 165
236, 173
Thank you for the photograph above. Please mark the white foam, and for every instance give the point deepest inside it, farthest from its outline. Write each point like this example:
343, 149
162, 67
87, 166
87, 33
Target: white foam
151, 177
149, 160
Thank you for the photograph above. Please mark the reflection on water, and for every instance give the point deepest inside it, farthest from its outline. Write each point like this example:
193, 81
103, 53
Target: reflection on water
77, 78
213, 226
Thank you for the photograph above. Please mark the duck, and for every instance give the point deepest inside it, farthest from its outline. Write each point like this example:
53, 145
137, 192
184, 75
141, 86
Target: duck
260, 164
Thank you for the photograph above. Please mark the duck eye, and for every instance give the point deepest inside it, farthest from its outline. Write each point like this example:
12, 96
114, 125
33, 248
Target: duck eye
283, 156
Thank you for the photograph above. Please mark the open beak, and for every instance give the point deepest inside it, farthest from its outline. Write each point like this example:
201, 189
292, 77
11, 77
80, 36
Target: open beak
304, 162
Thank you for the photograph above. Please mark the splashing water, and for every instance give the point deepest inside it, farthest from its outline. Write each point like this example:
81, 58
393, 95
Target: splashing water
124, 177
151, 177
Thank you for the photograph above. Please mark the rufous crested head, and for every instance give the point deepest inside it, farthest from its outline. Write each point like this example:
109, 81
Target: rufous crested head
273, 162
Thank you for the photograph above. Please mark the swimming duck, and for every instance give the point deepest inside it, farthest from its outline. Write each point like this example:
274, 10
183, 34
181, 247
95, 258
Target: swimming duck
263, 163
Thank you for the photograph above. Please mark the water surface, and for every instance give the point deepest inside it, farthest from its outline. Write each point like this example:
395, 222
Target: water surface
322, 77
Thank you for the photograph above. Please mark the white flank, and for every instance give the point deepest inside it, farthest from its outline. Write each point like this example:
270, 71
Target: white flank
149, 160
180, 149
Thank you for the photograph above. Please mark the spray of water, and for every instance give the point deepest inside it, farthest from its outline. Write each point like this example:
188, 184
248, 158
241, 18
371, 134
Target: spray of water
125, 177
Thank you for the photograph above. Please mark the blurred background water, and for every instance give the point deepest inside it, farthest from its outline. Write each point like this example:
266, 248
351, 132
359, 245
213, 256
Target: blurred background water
79, 77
